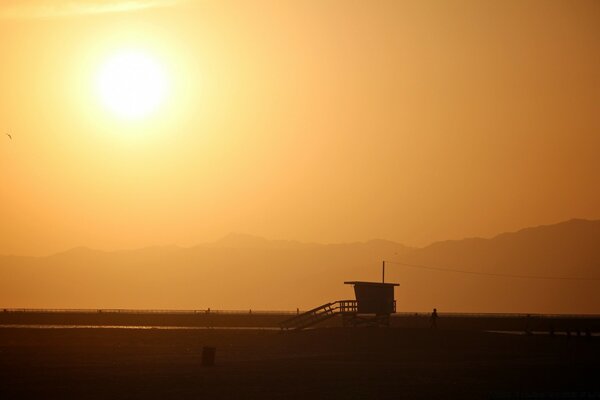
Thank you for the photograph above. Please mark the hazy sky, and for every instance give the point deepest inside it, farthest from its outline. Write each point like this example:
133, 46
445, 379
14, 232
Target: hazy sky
322, 121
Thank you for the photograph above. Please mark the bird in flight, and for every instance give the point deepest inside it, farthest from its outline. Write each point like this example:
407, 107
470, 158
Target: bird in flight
9, 136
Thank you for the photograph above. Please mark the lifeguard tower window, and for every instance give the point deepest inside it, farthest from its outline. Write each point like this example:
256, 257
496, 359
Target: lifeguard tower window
374, 297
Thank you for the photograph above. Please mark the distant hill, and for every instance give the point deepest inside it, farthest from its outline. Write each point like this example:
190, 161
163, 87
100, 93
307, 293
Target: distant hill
244, 241
243, 271
236, 272
567, 249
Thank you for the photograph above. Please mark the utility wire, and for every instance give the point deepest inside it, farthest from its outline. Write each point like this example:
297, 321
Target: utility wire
461, 271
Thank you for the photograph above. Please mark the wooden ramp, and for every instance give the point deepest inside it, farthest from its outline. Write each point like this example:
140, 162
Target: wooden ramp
319, 314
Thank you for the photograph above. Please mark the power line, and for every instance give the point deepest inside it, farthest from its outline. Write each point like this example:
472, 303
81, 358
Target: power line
461, 271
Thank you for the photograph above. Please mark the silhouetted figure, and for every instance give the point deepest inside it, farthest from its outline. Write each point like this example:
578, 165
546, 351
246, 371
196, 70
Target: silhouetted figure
434, 317
297, 311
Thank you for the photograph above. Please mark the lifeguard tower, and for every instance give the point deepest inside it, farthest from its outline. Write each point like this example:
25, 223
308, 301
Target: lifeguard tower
373, 306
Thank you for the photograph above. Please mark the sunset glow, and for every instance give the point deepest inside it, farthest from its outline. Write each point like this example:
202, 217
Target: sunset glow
139, 124
299, 199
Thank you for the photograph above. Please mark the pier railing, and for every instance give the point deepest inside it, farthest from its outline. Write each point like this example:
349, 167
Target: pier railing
143, 311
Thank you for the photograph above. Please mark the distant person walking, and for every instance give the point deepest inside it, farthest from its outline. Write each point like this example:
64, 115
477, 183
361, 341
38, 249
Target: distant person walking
434, 318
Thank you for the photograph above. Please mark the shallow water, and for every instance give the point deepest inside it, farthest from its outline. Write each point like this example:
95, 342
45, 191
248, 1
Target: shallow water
246, 328
546, 333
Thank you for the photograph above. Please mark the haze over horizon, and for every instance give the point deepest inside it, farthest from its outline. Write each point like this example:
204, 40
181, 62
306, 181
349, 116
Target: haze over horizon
244, 239
546, 269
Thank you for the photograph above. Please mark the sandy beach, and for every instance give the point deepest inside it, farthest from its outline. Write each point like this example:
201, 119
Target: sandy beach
320, 363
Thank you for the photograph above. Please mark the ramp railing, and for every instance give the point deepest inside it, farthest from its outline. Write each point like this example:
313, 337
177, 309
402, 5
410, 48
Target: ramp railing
319, 314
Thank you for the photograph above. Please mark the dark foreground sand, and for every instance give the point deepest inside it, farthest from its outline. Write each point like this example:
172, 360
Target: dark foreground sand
326, 363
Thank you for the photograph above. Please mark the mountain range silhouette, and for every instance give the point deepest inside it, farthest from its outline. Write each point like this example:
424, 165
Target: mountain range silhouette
243, 271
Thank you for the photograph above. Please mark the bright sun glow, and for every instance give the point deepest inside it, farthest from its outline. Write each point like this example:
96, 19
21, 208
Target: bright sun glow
132, 85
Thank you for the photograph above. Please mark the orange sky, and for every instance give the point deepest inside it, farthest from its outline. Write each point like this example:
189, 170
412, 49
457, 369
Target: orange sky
321, 121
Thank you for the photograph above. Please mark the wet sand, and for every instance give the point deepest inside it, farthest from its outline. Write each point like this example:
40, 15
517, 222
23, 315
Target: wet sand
316, 364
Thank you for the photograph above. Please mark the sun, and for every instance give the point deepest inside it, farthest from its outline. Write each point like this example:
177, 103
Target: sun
132, 84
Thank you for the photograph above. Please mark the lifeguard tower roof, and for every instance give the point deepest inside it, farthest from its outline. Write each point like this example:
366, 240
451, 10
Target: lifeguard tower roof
374, 297
370, 283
